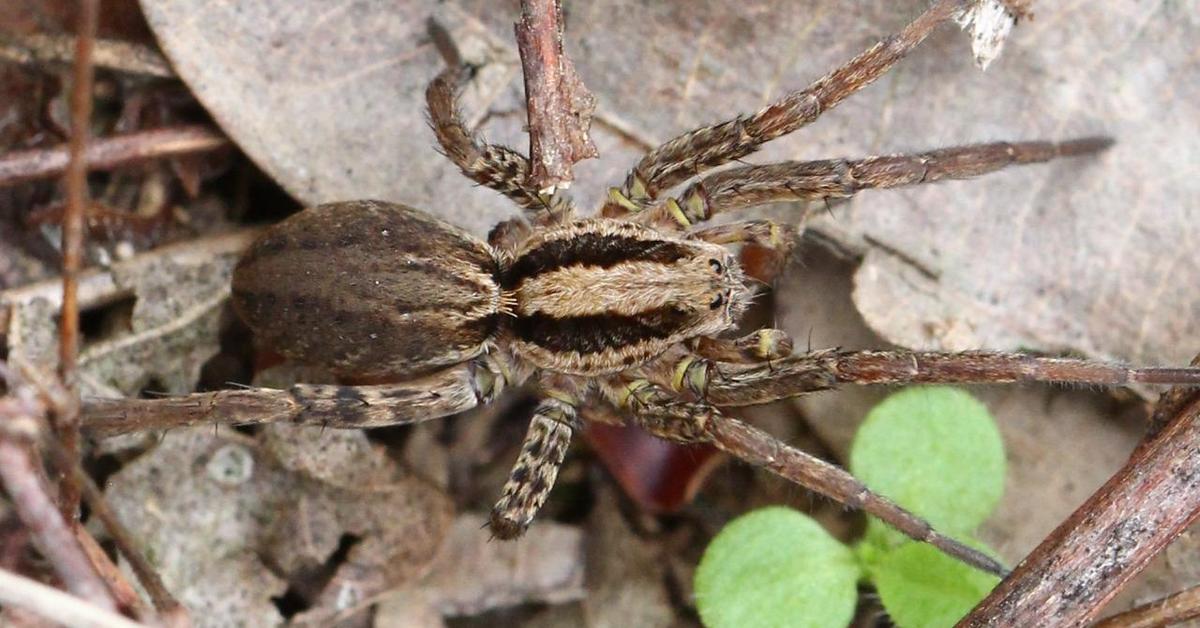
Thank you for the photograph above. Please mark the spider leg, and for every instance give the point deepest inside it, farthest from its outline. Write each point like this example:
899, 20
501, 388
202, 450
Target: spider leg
665, 415
690, 154
742, 385
759, 448
759, 346
440, 394
533, 474
497, 167
507, 235
747, 186
767, 234
700, 364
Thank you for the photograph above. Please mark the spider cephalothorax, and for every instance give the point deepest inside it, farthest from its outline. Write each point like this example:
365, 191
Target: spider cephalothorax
627, 309
599, 296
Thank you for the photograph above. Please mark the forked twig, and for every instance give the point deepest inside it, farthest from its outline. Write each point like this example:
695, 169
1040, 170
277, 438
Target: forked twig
163, 601
30, 496
31, 417
57, 395
1108, 540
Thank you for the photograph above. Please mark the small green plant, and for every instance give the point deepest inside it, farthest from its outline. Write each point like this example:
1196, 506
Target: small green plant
935, 451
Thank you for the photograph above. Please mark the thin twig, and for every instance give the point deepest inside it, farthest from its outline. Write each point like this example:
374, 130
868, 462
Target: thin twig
1173, 609
162, 599
111, 152
52, 534
31, 408
66, 418
559, 105
1108, 540
129, 601
110, 54
62, 608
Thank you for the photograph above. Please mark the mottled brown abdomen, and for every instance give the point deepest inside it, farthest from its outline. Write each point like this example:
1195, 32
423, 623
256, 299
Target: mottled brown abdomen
369, 288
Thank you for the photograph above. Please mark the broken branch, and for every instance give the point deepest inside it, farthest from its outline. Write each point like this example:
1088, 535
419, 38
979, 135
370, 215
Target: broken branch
559, 104
1173, 609
111, 152
1108, 540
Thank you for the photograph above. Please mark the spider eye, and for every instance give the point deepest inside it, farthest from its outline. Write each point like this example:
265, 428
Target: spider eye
717, 302
716, 266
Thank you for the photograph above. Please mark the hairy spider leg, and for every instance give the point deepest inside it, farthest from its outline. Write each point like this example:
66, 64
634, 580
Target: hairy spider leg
692, 153
663, 414
747, 186
497, 167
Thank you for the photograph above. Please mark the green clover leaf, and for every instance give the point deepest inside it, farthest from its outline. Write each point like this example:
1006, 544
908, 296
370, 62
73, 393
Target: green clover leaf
776, 567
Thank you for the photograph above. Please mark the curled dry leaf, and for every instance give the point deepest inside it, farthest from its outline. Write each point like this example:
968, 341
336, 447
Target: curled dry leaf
217, 515
660, 476
159, 315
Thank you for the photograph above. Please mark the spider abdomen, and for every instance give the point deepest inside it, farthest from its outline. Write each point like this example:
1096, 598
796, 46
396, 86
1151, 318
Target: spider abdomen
369, 288
600, 296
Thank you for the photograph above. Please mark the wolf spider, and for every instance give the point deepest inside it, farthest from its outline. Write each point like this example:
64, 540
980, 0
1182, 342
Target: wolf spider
626, 308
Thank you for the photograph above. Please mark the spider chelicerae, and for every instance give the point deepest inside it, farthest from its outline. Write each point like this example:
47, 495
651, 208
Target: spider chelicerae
627, 308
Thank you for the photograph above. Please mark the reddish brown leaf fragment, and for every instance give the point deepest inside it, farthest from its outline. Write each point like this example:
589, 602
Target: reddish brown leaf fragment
661, 477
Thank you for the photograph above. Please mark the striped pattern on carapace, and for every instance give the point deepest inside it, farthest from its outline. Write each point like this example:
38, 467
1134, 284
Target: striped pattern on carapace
600, 296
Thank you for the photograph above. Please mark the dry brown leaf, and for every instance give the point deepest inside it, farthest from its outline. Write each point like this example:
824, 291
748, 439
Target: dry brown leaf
326, 99
473, 574
217, 514
626, 574
1074, 255
177, 294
